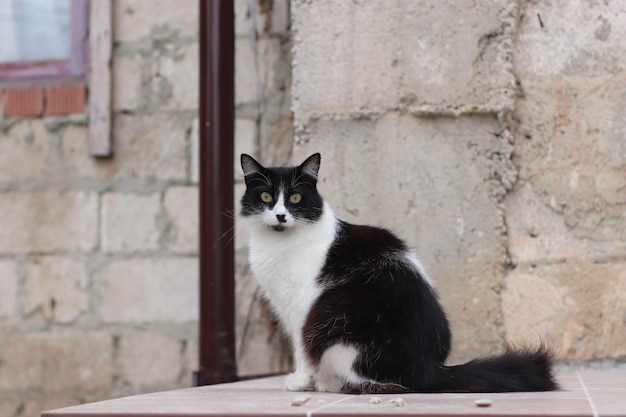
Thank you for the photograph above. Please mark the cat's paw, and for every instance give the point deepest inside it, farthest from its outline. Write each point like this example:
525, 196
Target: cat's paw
299, 382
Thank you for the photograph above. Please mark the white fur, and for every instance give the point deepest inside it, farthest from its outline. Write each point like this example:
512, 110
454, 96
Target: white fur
420, 269
286, 265
336, 368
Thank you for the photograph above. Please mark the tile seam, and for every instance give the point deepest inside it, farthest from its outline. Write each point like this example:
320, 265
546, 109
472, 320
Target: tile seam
310, 412
589, 400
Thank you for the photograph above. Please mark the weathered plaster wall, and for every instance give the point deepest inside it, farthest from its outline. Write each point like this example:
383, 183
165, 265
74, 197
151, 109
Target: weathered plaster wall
566, 215
99, 257
494, 145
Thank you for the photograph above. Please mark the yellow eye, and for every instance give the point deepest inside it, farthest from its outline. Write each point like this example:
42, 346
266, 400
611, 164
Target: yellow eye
266, 197
295, 198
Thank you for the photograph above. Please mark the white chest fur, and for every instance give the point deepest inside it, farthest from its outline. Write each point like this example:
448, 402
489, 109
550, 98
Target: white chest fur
286, 265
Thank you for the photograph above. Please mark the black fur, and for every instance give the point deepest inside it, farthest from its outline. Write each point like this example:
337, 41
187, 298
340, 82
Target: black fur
375, 299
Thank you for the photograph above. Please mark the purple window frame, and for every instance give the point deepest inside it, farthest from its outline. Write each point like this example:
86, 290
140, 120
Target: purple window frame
75, 66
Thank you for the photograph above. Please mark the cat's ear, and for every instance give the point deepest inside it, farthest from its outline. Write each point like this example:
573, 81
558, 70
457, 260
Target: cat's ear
311, 165
250, 165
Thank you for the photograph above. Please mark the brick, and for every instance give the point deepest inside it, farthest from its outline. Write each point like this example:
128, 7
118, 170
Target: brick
8, 289
24, 102
65, 99
181, 206
129, 222
149, 361
55, 287
25, 151
54, 362
48, 221
149, 290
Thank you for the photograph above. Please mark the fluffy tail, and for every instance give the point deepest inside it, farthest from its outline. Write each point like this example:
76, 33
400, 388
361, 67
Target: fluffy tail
514, 371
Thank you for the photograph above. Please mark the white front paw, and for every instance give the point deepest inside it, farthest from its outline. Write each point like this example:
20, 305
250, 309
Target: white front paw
299, 382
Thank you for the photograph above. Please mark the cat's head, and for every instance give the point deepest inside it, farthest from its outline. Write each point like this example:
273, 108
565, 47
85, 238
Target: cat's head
281, 198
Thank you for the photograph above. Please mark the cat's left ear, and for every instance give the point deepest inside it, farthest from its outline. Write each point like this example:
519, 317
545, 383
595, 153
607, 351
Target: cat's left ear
311, 165
249, 165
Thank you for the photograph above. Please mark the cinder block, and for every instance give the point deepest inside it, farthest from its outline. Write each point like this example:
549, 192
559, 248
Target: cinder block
149, 290
245, 142
383, 55
128, 82
435, 185
272, 17
150, 146
571, 40
55, 287
149, 360
247, 80
572, 305
25, 151
129, 222
8, 289
48, 221
136, 20
181, 207
147, 147
195, 151
55, 362
181, 73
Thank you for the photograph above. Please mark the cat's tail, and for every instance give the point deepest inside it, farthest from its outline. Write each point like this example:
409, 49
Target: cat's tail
516, 370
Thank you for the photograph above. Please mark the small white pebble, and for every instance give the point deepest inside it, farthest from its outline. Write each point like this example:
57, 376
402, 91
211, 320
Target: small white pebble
375, 400
321, 402
399, 402
483, 403
301, 399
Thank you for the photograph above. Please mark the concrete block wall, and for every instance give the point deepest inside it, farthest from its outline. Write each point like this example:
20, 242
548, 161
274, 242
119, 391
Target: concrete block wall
99, 257
490, 136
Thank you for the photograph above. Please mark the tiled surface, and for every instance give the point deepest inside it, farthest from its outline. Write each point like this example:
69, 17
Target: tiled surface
584, 393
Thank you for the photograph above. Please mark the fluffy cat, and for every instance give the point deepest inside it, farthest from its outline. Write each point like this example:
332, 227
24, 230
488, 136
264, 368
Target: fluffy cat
361, 313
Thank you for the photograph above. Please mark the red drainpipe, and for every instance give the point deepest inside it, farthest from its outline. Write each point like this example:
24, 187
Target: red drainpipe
216, 338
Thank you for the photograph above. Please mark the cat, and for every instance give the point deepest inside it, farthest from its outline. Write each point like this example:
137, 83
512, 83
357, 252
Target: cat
361, 313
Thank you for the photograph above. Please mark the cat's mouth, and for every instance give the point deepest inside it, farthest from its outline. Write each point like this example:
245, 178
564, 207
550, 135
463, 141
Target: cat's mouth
279, 228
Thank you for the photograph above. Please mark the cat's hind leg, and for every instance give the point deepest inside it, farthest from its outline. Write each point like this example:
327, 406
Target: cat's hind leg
336, 369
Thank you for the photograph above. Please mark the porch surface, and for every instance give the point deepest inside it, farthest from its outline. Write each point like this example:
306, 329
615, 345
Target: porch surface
583, 393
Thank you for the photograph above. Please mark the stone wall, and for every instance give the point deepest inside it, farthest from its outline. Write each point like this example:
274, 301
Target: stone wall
99, 257
490, 136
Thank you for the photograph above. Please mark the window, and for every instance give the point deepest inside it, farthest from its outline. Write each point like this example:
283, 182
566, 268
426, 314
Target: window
42, 39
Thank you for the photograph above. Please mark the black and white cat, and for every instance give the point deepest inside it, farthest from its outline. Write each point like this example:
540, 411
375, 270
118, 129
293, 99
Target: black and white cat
360, 311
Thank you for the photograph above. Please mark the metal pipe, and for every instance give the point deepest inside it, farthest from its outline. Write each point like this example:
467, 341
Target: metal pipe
216, 337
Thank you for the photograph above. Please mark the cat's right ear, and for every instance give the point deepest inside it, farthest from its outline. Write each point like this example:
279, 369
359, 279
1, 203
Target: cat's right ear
250, 165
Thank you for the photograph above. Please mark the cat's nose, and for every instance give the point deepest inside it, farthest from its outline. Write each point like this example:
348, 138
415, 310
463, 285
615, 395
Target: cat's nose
281, 218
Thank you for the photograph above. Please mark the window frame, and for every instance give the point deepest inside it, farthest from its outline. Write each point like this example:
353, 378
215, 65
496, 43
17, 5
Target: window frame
74, 67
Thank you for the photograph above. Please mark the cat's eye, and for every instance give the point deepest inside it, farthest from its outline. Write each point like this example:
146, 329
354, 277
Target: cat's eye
295, 198
266, 197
